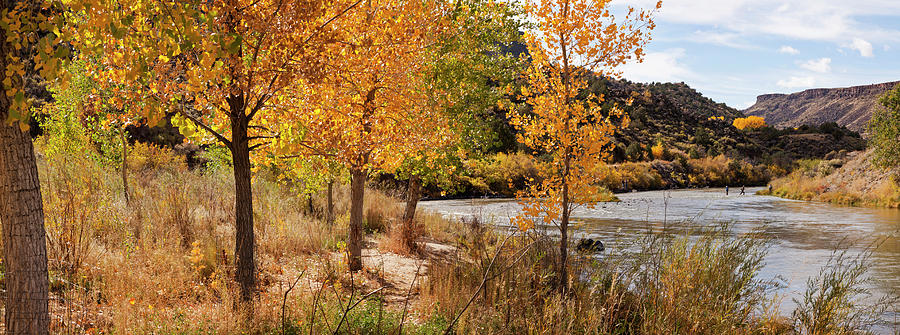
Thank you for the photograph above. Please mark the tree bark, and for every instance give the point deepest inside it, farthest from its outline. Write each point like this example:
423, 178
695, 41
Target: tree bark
329, 204
354, 242
24, 237
413, 194
563, 271
125, 167
22, 219
245, 240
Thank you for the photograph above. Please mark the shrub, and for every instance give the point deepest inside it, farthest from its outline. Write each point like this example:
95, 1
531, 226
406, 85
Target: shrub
835, 300
634, 152
752, 122
657, 151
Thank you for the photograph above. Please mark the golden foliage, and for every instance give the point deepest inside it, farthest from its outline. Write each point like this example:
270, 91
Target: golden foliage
752, 122
575, 39
658, 151
369, 110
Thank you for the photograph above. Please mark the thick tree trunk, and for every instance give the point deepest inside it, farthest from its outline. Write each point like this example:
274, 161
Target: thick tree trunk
22, 219
354, 242
245, 240
329, 204
125, 167
413, 194
24, 244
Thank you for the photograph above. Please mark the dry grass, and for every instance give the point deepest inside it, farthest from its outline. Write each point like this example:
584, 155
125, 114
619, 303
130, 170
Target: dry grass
854, 182
164, 263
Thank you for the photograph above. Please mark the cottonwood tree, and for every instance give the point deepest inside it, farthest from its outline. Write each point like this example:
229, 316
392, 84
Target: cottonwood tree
884, 128
371, 110
468, 73
28, 50
78, 102
219, 65
314, 173
573, 39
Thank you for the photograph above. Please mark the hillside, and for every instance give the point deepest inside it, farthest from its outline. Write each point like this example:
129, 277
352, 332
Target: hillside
849, 179
850, 106
682, 118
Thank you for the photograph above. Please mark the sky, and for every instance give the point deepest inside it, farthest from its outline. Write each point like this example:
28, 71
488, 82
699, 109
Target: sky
734, 50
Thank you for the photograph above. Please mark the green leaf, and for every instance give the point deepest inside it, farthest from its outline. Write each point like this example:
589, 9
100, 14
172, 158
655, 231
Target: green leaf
61, 52
235, 45
128, 20
116, 32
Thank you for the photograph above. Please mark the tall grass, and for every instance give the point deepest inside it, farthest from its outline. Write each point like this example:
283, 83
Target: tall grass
163, 263
667, 285
837, 300
813, 180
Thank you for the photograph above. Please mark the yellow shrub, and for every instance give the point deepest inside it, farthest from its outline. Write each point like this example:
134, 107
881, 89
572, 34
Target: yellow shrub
658, 151
751, 122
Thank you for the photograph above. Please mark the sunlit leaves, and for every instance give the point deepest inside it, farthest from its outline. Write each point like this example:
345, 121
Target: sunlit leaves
208, 61
574, 40
32, 45
370, 109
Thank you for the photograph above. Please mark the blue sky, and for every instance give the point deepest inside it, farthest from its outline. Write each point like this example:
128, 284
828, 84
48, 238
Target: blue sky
734, 50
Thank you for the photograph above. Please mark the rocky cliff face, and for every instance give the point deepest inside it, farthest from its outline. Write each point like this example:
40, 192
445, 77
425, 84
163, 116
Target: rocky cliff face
850, 106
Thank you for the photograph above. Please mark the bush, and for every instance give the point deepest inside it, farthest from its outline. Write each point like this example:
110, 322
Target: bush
500, 174
666, 285
634, 152
835, 300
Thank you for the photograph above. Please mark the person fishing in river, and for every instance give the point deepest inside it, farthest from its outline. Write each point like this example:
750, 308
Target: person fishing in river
742, 190
726, 190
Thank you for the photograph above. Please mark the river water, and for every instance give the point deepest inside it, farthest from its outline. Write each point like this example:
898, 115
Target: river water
805, 233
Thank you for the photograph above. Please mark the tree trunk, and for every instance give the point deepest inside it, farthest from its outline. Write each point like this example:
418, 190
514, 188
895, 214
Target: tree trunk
22, 221
563, 271
413, 194
245, 240
125, 167
354, 242
24, 244
329, 204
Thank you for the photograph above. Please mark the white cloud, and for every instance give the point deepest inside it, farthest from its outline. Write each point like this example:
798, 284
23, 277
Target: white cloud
787, 49
821, 65
658, 67
731, 40
797, 82
835, 21
863, 46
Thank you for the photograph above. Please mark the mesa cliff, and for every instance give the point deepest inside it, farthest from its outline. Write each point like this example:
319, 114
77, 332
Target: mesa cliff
850, 106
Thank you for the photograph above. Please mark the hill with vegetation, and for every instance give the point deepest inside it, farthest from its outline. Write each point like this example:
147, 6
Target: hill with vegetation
676, 138
680, 118
850, 179
850, 106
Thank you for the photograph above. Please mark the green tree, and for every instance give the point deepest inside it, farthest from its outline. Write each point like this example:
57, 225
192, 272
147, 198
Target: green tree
469, 75
884, 129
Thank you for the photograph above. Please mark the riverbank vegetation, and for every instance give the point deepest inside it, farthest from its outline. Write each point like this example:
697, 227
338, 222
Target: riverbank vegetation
853, 180
863, 178
164, 264
503, 174
233, 167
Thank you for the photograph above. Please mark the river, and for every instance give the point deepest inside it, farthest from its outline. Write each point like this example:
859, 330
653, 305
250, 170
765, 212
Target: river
804, 233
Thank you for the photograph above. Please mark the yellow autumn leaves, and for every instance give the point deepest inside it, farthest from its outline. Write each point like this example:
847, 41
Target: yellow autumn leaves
752, 122
575, 40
